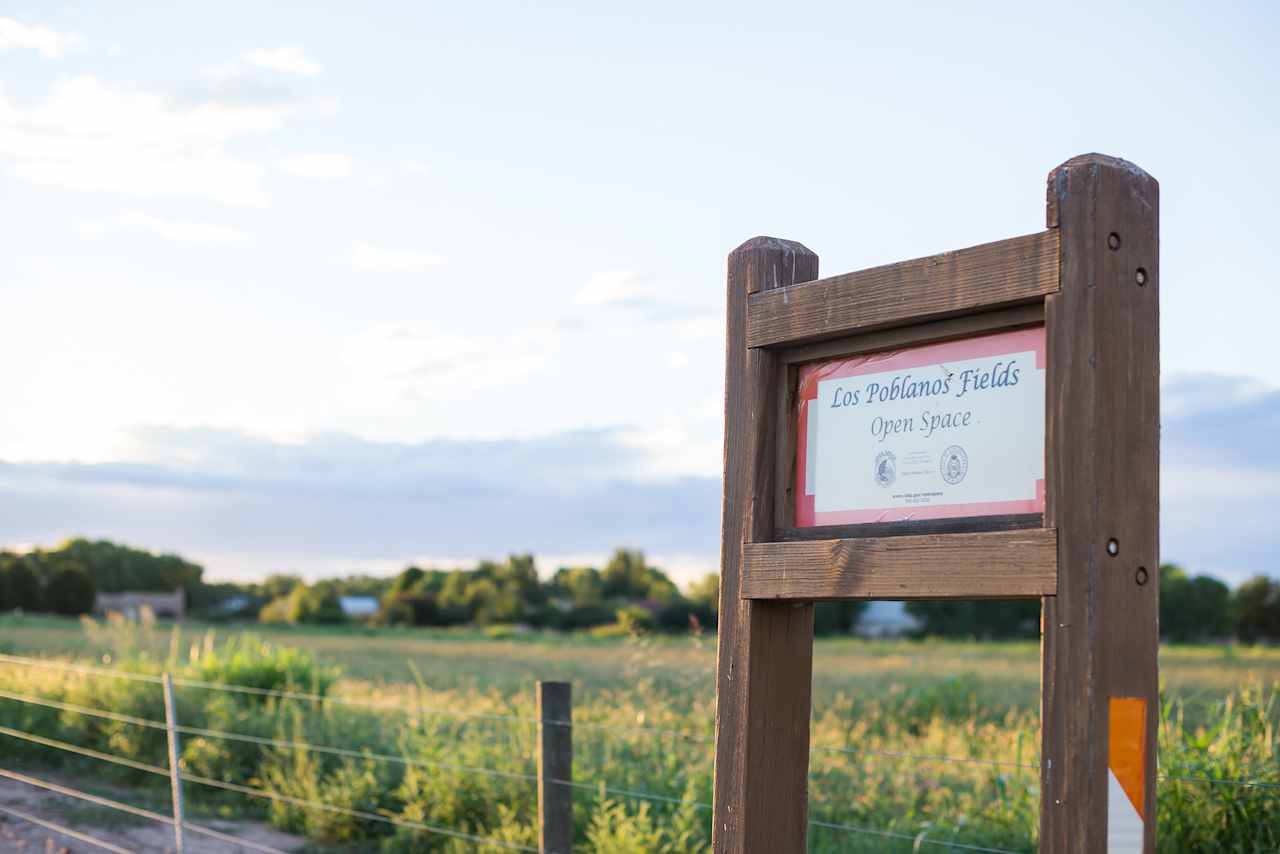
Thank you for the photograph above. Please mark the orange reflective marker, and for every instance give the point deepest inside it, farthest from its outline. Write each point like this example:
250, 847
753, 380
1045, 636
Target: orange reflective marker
1126, 763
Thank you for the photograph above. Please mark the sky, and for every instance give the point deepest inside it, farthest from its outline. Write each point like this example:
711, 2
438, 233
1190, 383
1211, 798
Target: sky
335, 287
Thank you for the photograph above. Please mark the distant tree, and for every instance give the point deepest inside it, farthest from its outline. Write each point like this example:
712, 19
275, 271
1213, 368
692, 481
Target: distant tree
279, 585
409, 577
837, 618
409, 608
7, 559
704, 601
69, 590
23, 585
706, 591
625, 576
115, 568
453, 599
977, 618
317, 603
1256, 605
583, 586
1193, 609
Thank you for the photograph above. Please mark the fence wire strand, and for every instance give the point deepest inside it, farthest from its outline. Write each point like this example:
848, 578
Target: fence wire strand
436, 710
138, 811
917, 839
964, 760
84, 751
418, 709
1214, 781
65, 831
301, 745
361, 814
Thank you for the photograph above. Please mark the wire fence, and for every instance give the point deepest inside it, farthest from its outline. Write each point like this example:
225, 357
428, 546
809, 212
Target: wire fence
601, 787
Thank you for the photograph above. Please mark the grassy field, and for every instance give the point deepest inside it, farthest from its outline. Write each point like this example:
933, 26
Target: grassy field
873, 703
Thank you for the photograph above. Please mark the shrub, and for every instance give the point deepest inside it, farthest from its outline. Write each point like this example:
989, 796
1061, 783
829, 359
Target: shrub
248, 660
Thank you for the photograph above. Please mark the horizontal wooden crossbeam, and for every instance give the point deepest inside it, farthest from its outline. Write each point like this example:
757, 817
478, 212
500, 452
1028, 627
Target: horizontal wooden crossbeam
987, 565
990, 276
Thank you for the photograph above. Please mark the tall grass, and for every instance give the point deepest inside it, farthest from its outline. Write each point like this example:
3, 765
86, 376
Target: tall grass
645, 720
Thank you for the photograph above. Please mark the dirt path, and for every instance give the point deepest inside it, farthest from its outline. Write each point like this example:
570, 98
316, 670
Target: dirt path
131, 833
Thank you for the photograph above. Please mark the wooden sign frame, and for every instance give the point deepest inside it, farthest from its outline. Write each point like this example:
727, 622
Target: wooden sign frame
1092, 279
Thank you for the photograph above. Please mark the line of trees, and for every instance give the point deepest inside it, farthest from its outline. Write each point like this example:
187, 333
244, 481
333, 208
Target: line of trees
626, 594
1193, 608
65, 580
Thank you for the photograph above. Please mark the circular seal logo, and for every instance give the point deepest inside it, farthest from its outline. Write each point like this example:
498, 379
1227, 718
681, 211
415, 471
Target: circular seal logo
886, 470
955, 464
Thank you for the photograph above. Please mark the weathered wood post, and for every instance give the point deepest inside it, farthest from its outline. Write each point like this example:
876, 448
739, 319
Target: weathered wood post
555, 767
1100, 688
976, 424
765, 651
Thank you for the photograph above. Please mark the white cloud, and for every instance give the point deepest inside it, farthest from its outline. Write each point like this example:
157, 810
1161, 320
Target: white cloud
370, 258
175, 231
318, 167
282, 60
417, 168
87, 134
48, 43
286, 60
612, 287
402, 365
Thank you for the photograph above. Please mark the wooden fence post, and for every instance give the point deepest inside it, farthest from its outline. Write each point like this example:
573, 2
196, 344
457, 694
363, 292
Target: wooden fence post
175, 752
765, 649
555, 767
1100, 702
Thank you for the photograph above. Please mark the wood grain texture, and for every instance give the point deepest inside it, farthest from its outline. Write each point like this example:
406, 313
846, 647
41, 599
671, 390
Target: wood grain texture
555, 767
996, 565
1102, 474
917, 334
765, 649
991, 276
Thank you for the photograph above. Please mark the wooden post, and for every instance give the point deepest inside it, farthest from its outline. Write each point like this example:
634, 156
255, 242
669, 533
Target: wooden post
765, 652
1100, 704
555, 768
175, 752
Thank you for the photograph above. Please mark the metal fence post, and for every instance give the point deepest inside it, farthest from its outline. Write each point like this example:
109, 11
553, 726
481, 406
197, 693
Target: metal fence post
555, 768
175, 773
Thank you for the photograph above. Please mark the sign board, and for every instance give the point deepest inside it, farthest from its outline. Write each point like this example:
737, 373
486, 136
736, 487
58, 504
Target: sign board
978, 424
929, 432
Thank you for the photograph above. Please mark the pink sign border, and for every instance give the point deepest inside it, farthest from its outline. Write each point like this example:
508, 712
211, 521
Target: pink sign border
996, 344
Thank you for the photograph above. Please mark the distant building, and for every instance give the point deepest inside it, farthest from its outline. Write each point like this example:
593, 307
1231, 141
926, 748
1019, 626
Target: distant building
131, 604
886, 620
358, 607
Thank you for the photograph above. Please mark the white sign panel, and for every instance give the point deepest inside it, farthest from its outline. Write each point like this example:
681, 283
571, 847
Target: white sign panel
938, 431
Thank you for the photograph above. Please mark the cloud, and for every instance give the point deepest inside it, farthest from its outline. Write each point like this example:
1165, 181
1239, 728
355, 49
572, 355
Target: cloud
90, 135
614, 287
281, 60
645, 298
50, 44
286, 60
241, 497
371, 258
1220, 475
317, 167
182, 232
